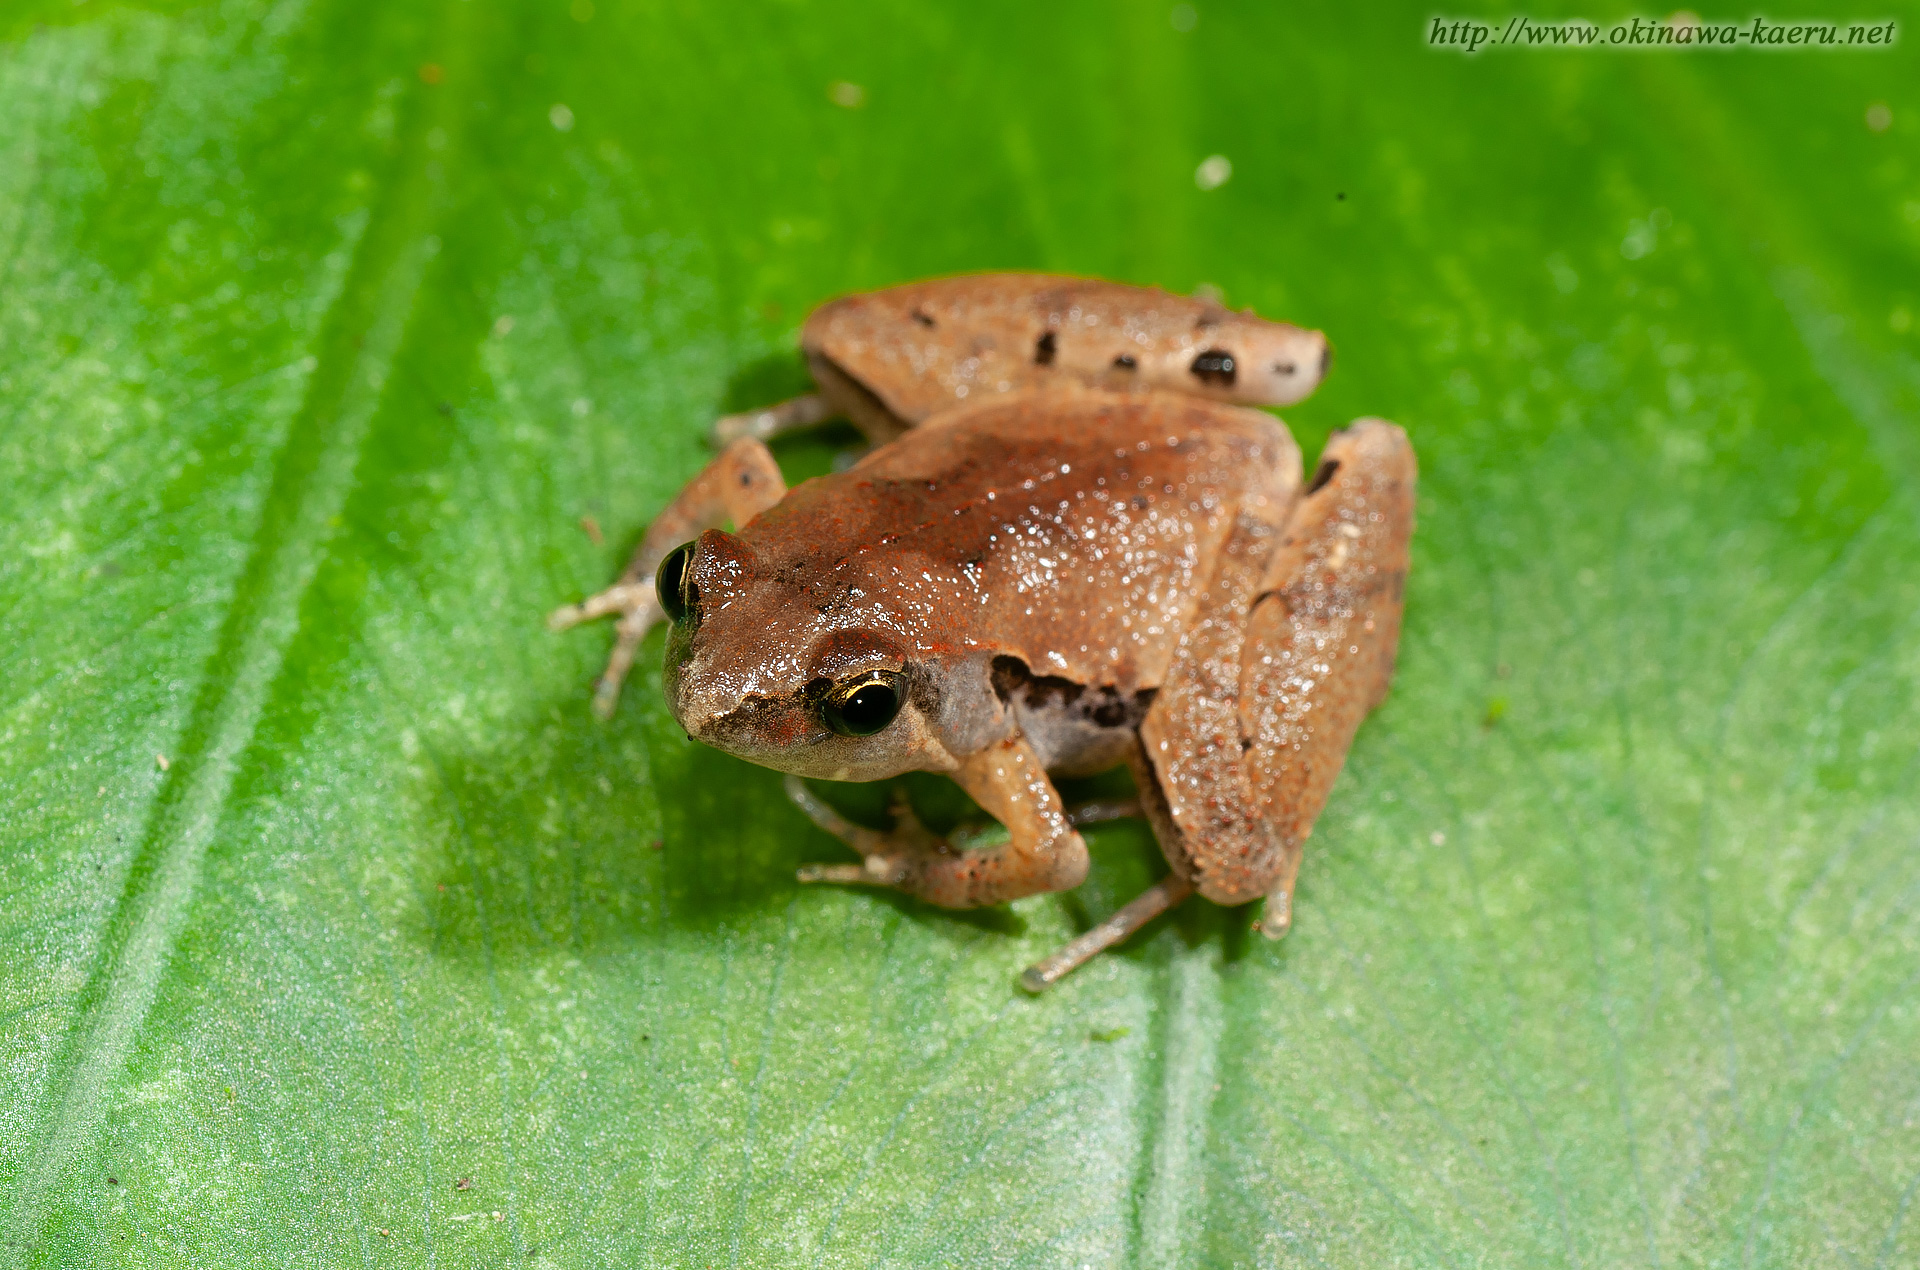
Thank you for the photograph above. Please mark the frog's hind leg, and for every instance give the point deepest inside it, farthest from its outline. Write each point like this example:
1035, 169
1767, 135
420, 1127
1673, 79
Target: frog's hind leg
741, 482
1189, 767
1321, 638
1143, 908
840, 395
764, 424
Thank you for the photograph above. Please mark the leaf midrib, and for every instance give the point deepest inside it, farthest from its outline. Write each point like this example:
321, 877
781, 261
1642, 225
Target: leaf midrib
312, 476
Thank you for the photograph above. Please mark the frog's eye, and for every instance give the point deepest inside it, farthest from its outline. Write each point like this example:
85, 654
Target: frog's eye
865, 703
673, 584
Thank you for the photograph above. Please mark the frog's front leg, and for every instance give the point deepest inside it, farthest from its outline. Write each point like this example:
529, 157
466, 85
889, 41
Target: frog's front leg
1043, 852
741, 482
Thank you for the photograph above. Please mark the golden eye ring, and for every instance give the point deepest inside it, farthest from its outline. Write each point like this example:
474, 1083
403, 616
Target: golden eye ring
864, 704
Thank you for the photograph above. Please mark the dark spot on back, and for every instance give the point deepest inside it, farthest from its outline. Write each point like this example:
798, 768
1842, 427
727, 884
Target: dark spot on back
922, 318
1215, 366
1124, 361
1323, 474
1043, 350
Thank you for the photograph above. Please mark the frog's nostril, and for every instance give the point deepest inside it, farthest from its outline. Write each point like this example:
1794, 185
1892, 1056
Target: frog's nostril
1326, 359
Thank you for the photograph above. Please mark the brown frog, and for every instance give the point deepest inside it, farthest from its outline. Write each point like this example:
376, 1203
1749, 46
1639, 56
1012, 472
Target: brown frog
1050, 564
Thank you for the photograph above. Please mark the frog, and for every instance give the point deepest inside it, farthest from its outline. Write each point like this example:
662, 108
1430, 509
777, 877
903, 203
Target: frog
1062, 570
890, 360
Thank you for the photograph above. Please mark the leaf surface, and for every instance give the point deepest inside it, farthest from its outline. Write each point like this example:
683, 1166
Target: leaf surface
338, 343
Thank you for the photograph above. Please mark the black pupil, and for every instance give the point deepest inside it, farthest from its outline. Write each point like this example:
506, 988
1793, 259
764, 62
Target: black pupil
670, 583
868, 708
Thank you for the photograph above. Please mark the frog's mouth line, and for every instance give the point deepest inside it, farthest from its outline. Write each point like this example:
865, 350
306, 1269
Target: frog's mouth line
762, 725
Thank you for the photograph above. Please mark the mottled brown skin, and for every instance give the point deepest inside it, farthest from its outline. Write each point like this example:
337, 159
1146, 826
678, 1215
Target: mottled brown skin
1057, 579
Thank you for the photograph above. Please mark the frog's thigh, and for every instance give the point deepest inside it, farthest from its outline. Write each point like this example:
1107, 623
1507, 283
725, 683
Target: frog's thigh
1204, 813
741, 482
1321, 640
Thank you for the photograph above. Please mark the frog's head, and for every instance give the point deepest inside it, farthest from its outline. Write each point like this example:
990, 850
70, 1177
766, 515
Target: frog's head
755, 668
1259, 363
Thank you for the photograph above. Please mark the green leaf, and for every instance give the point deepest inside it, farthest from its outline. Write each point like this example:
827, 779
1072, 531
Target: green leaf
336, 931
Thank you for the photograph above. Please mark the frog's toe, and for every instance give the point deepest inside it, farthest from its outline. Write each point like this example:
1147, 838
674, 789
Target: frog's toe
844, 874
878, 870
820, 813
623, 597
893, 857
1101, 810
1146, 906
1276, 915
772, 421
631, 629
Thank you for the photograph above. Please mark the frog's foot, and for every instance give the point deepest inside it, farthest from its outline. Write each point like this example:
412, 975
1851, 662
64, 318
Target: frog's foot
773, 421
739, 484
622, 598
638, 608
1146, 906
888, 856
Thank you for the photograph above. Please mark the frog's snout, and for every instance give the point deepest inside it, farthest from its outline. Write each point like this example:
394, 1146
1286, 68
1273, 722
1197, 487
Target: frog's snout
1284, 364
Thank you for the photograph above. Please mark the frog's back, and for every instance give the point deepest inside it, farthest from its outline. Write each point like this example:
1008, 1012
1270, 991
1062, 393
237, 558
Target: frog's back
1069, 531
928, 347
